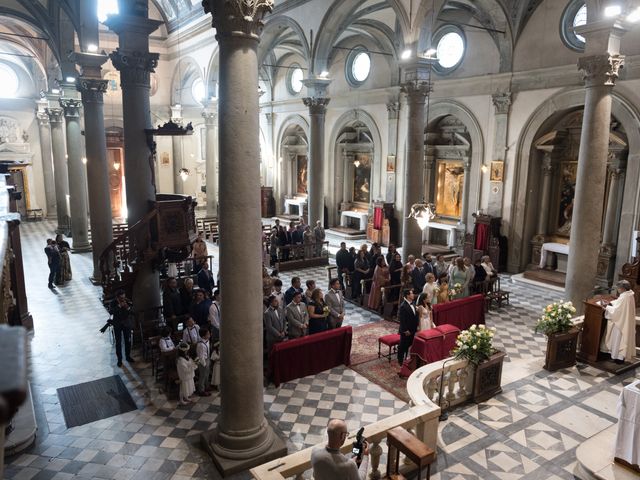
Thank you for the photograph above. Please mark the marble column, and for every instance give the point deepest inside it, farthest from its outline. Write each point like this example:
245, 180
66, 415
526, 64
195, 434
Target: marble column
77, 175
317, 103
600, 74
92, 88
47, 159
243, 437
177, 151
135, 64
210, 114
389, 185
466, 163
416, 89
545, 197
502, 104
60, 176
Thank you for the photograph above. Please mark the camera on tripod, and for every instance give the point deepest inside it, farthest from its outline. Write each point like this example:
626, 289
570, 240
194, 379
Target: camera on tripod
358, 445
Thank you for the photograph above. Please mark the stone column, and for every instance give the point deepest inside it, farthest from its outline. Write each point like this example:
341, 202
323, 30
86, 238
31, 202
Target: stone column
502, 104
243, 437
60, 176
417, 89
210, 114
389, 184
92, 88
465, 194
47, 158
317, 103
545, 196
77, 175
135, 64
177, 147
600, 74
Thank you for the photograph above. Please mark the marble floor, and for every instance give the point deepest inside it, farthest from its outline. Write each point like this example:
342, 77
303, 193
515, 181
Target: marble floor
531, 430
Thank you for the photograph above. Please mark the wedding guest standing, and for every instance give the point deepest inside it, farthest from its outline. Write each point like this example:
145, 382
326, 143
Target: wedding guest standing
53, 261
381, 279
318, 313
64, 272
297, 317
335, 301
186, 371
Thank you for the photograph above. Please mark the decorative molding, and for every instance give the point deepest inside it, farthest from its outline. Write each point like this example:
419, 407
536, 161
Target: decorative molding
135, 67
92, 89
502, 102
599, 70
55, 114
393, 109
317, 105
237, 18
71, 107
43, 118
417, 90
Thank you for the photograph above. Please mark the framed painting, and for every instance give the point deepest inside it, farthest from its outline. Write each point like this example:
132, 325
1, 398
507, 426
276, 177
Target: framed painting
301, 174
497, 171
391, 163
362, 179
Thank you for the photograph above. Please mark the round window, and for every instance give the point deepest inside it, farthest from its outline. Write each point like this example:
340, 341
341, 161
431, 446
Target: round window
358, 66
450, 50
295, 79
197, 90
574, 16
9, 82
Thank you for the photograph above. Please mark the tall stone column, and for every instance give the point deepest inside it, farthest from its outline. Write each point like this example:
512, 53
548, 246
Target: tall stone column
243, 437
502, 104
600, 74
135, 64
210, 114
389, 185
417, 89
60, 176
177, 150
317, 103
77, 175
92, 88
545, 196
47, 158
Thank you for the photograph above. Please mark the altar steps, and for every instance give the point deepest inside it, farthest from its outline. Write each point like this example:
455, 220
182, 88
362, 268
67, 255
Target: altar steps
344, 234
549, 277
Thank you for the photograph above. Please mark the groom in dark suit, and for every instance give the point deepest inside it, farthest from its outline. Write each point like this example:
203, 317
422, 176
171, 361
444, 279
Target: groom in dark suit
409, 320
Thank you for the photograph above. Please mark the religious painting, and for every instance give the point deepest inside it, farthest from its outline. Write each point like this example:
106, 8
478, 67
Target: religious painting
497, 171
113, 83
301, 174
164, 159
568, 172
449, 189
391, 163
362, 178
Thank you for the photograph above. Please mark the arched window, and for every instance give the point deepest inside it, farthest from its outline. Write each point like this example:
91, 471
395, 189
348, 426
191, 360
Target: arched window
574, 15
107, 7
358, 66
450, 49
9, 82
198, 90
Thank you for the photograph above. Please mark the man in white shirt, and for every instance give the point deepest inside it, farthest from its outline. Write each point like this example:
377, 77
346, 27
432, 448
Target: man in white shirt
620, 338
166, 343
335, 301
214, 316
203, 352
191, 334
297, 317
329, 464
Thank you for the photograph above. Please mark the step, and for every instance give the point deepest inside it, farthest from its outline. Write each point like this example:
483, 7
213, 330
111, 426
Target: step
24, 428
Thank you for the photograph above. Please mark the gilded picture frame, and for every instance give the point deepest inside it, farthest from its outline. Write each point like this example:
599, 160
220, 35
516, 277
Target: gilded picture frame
497, 171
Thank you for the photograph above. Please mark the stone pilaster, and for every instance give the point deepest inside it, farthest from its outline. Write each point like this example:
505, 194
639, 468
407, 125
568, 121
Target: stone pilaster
46, 152
243, 437
210, 115
60, 176
77, 175
607, 254
315, 179
177, 149
502, 104
393, 116
92, 89
546, 174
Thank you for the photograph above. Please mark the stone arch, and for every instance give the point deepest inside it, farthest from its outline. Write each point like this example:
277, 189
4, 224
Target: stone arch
570, 99
335, 167
284, 181
211, 74
269, 37
187, 70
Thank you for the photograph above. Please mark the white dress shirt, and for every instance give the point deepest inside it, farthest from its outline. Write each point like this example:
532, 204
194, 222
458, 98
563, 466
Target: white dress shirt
166, 344
202, 351
191, 335
214, 314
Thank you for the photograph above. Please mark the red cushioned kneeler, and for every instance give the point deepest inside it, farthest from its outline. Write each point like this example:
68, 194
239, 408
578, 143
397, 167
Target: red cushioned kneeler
427, 345
450, 335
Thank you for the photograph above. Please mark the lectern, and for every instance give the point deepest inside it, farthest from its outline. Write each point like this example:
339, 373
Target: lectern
593, 328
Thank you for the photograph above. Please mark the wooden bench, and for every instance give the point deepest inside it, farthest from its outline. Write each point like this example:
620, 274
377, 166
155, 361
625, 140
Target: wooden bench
401, 441
204, 225
392, 341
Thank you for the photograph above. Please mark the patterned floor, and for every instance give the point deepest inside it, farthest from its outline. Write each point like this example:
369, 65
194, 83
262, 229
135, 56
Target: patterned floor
530, 431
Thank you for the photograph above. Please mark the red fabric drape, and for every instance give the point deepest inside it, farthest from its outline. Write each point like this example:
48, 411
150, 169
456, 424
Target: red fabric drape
427, 345
310, 355
378, 217
482, 237
460, 313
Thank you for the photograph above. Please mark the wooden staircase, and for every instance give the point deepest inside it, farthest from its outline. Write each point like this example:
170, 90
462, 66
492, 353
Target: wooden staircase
166, 232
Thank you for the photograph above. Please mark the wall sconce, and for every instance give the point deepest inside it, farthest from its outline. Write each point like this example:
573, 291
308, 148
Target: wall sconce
484, 168
422, 213
356, 163
184, 173
116, 166
84, 160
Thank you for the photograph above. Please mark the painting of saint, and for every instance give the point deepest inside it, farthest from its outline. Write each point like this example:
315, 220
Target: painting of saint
450, 187
361, 179
567, 192
301, 169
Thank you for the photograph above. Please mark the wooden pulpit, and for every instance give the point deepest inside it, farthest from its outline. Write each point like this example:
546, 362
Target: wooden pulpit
593, 329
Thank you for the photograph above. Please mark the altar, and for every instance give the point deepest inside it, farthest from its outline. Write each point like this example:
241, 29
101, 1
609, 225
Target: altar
627, 446
363, 218
562, 252
450, 229
299, 202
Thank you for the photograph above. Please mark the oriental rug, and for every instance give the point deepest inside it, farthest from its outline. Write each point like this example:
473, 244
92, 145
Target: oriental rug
364, 345
384, 374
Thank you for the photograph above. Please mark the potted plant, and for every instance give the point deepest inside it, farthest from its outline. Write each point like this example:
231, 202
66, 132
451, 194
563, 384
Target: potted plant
476, 346
562, 335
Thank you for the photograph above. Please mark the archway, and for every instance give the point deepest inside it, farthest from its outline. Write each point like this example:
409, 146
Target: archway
291, 181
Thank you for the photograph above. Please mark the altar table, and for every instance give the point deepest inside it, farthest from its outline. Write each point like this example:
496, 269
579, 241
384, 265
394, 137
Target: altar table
555, 248
450, 229
309, 355
627, 446
363, 217
461, 313
299, 202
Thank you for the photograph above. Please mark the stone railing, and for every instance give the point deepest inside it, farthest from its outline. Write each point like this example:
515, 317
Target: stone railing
421, 419
455, 377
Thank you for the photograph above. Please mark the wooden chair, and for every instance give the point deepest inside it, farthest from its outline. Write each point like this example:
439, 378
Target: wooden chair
401, 441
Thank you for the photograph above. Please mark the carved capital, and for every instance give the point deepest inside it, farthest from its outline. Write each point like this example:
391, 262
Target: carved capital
55, 114
502, 102
237, 18
135, 67
317, 105
92, 89
269, 116
616, 172
599, 70
393, 108
71, 107
417, 90
43, 118
210, 117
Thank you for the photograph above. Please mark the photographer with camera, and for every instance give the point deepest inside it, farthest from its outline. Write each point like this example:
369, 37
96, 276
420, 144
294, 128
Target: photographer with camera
121, 310
329, 464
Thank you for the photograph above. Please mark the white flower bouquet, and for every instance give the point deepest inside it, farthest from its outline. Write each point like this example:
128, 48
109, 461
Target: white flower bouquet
475, 344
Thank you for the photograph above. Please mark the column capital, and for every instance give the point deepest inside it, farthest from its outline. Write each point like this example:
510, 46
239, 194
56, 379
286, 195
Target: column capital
317, 105
43, 117
501, 102
547, 165
615, 171
316, 86
210, 117
393, 109
71, 107
600, 70
417, 90
237, 18
91, 89
90, 63
55, 114
135, 67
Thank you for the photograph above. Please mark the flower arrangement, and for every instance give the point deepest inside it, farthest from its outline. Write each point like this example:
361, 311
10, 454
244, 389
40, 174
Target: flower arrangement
325, 311
457, 287
556, 318
475, 344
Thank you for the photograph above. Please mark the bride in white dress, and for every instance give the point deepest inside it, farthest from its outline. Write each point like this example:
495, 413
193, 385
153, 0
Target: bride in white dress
424, 312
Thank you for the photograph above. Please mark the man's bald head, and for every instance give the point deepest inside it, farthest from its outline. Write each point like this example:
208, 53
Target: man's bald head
337, 432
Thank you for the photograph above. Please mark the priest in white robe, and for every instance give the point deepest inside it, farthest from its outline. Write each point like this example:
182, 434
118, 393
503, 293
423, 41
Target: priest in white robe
620, 338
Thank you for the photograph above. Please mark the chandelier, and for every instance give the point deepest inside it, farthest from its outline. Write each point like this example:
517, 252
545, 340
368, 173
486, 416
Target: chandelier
423, 213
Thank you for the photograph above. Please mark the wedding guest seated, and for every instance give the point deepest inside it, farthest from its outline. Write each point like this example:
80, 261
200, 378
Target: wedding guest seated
166, 342
297, 317
488, 266
480, 278
191, 333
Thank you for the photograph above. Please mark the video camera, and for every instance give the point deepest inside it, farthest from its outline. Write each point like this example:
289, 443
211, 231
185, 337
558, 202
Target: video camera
106, 325
358, 445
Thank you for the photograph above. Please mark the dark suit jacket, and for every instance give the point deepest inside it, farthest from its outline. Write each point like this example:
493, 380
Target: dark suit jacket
418, 279
205, 280
290, 292
430, 268
343, 260
297, 237
408, 319
172, 303
200, 312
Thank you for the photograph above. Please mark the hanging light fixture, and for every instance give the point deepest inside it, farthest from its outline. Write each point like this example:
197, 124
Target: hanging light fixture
184, 173
116, 165
356, 163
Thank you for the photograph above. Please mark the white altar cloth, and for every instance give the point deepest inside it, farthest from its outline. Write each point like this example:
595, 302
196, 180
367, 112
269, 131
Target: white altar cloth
552, 247
363, 217
628, 437
450, 229
299, 201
